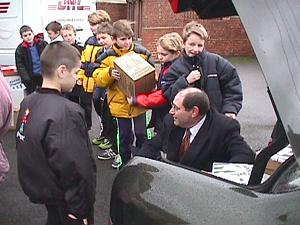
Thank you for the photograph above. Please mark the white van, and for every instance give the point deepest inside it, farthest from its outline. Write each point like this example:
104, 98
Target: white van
37, 14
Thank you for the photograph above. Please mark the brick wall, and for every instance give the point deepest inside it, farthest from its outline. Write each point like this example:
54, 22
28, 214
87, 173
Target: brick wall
227, 35
116, 11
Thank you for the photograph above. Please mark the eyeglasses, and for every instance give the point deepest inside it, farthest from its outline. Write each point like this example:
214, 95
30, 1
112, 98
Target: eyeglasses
175, 107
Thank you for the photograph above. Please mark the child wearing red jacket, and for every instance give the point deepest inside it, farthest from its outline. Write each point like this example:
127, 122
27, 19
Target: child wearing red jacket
169, 48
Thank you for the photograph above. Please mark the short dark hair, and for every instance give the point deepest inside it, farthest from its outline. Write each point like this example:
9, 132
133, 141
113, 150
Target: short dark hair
24, 29
53, 26
58, 53
196, 98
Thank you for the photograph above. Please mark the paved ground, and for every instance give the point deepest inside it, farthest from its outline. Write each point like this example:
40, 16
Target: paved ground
256, 118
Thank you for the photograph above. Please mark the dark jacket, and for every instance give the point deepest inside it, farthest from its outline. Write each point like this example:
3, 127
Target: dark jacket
219, 80
54, 153
77, 90
78, 47
218, 140
24, 60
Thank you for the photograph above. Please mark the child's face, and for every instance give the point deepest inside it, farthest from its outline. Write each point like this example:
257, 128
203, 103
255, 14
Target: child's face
193, 45
94, 27
68, 36
52, 35
69, 78
165, 56
124, 42
105, 40
28, 36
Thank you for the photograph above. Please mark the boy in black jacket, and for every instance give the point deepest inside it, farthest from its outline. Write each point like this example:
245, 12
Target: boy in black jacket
55, 161
207, 71
27, 58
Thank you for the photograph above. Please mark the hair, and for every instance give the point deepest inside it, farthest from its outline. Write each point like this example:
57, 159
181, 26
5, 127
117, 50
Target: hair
69, 27
53, 26
58, 53
100, 16
24, 29
195, 97
105, 28
194, 27
171, 42
122, 27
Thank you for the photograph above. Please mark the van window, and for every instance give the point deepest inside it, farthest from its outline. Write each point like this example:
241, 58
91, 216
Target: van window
289, 180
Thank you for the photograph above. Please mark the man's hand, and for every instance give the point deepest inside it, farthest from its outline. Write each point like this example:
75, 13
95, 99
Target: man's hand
231, 115
115, 74
194, 76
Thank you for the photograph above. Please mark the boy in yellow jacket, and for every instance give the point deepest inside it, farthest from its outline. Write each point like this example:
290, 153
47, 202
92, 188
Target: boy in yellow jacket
124, 113
88, 57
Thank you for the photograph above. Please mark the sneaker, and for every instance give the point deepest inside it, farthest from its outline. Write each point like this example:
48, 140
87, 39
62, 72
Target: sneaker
105, 144
97, 140
107, 154
117, 162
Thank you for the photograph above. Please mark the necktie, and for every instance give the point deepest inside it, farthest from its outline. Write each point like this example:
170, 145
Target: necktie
185, 144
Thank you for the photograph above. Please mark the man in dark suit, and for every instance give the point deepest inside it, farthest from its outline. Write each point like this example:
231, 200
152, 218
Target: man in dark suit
212, 137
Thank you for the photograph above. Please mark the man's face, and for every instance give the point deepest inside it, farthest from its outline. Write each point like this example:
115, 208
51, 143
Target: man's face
182, 118
52, 35
124, 42
193, 45
69, 78
28, 36
105, 40
165, 56
68, 36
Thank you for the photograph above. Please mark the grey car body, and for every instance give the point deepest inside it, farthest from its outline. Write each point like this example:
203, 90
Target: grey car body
153, 192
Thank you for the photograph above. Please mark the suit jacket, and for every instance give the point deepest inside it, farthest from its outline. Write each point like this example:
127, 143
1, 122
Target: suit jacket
218, 140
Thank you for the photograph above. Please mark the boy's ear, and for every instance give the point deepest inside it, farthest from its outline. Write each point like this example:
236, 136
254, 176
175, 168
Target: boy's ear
61, 71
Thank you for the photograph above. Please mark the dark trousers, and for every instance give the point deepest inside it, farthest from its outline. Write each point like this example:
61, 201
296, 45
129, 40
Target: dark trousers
58, 215
75, 94
36, 81
98, 100
126, 135
86, 104
109, 125
101, 108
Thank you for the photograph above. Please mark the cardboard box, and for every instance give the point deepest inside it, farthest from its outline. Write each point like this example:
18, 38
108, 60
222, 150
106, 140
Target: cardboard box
137, 75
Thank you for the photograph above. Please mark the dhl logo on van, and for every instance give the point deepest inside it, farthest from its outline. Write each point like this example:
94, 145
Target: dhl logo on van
68, 5
4, 7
